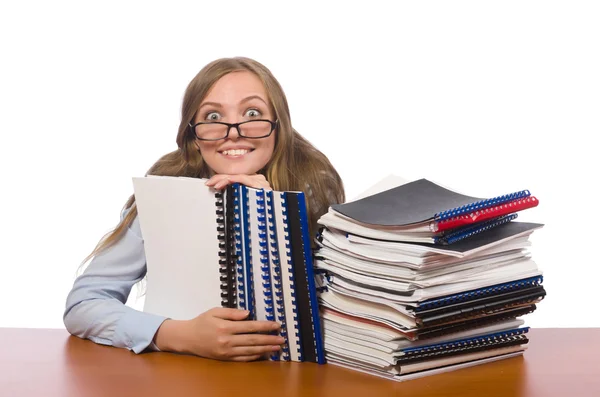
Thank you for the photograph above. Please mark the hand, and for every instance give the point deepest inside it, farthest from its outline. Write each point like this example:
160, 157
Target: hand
220, 334
220, 181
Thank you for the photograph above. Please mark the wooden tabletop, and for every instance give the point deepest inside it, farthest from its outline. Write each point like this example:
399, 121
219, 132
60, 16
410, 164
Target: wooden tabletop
42, 362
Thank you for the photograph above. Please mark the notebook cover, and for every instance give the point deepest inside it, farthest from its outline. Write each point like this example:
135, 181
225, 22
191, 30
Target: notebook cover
310, 274
417, 202
179, 225
413, 202
307, 339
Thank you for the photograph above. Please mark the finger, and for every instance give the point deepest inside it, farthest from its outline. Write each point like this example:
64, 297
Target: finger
223, 183
257, 340
216, 179
246, 358
261, 180
250, 327
228, 314
252, 350
255, 181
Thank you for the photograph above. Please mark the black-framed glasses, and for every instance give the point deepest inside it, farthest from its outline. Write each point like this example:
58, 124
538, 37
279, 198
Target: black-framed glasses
216, 130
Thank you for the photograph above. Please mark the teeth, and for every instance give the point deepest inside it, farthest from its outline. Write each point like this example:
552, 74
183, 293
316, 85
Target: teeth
236, 152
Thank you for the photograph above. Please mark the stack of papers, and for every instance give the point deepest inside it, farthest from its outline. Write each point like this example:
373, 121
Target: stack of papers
418, 279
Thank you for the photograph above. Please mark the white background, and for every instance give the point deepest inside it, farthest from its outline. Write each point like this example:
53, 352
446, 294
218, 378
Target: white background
484, 97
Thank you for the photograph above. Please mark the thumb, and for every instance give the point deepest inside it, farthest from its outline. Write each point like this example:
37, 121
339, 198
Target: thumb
229, 314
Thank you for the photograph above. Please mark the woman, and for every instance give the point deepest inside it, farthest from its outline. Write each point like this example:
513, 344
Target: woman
235, 127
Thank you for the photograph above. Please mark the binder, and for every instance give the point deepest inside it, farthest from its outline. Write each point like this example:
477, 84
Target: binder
288, 285
410, 363
420, 211
278, 293
463, 346
466, 232
243, 248
226, 249
308, 311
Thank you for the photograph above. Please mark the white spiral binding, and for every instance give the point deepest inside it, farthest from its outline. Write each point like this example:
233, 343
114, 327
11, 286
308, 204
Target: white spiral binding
253, 251
277, 289
262, 245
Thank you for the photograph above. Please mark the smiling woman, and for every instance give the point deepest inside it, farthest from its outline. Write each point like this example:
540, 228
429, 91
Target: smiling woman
235, 127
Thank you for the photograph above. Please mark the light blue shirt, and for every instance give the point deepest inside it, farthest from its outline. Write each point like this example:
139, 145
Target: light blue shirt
95, 307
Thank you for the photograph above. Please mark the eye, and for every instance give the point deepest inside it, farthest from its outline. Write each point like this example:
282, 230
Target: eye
213, 116
253, 113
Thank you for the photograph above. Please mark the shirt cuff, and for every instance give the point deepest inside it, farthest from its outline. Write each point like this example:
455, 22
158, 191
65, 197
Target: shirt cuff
136, 330
152, 347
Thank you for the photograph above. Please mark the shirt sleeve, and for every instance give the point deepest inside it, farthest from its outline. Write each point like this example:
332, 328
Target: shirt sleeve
95, 307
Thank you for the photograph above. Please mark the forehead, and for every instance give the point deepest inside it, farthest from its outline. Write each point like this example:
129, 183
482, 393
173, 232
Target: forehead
235, 86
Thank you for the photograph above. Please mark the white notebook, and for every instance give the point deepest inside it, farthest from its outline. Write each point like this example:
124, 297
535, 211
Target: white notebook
182, 279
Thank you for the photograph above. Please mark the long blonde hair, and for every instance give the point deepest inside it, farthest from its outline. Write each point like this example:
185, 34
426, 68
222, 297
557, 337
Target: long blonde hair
296, 165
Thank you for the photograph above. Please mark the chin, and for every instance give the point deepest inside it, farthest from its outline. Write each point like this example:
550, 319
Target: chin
236, 169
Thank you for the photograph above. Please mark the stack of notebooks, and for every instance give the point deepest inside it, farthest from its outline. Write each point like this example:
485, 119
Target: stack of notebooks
407, 282
419, 279
240, 248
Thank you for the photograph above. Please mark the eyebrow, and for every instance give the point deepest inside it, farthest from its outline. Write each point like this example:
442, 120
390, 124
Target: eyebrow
251, 97
247, 99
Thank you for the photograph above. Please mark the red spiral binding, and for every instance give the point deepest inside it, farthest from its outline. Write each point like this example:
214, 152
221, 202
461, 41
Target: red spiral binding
485, 214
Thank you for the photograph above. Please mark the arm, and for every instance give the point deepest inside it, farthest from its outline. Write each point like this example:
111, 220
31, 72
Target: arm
96, 310
95, 307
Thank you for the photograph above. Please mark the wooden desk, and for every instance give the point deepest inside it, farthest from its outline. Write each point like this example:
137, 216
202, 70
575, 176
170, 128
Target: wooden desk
41, 362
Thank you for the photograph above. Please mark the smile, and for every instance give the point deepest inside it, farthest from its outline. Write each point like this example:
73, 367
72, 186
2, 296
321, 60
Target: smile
235, 152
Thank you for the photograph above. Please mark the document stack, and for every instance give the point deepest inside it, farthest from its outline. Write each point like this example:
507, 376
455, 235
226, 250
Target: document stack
418, 279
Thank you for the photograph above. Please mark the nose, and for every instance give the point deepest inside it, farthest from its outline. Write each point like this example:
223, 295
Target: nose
234, 133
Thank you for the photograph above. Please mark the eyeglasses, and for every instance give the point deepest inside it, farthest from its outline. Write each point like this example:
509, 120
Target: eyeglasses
215, 130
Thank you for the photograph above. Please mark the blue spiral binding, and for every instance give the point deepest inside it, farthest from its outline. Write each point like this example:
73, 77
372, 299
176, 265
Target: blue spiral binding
312, 291
465, 342
466, 232
292, 280
479, 205
237, 227
264, 254
277, 289
478, 293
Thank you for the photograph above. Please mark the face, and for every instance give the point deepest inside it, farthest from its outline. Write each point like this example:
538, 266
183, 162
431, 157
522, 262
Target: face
234, 98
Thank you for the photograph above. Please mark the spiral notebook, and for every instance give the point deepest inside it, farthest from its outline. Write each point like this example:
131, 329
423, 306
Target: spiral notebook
422, 211
433, 317
240, 248
410, 363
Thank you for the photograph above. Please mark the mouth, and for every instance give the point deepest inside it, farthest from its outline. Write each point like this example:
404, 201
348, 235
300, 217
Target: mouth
235, 153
